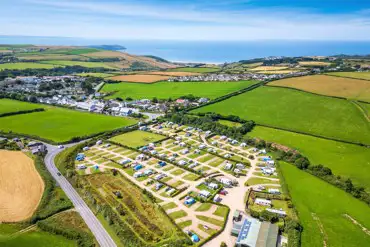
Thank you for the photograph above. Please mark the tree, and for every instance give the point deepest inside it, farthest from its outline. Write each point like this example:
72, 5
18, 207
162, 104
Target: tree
223, 244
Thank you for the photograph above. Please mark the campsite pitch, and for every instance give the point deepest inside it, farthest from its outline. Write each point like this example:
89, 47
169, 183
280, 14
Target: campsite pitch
137, 138
21, 186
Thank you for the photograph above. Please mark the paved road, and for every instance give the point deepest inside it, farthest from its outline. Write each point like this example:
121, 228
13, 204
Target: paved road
101, 235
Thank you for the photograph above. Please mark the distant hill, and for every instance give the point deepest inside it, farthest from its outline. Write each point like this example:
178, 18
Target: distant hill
108, 47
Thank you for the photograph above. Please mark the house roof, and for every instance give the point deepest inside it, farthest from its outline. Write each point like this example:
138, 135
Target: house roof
267, 236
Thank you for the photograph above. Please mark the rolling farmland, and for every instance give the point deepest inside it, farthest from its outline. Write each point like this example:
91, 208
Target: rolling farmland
321, 204
60, 125
329, 85
196, 70
20, 66
356, 75
78, 63
165, 90
139, 78
18, 174
8, 105
297, 111
314, 63
346, 160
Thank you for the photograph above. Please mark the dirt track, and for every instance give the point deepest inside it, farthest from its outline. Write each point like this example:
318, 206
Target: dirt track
21, 186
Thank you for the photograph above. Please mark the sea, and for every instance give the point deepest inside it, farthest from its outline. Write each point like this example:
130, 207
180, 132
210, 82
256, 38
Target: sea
210, 51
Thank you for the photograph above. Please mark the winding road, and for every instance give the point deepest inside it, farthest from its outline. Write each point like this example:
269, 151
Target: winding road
101, 235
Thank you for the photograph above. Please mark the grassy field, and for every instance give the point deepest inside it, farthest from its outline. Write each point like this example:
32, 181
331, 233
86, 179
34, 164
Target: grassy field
137, 138
366, 108
8, 105
60, 125
101, 75
329, 85
356, 75
139, 78
229, 123
268, 68
196, 70
343, 159
316, 199
297, 111
78, 63
165, 90
20, 66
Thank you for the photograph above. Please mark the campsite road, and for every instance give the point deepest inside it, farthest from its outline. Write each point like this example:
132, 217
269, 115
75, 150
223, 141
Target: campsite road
101, 235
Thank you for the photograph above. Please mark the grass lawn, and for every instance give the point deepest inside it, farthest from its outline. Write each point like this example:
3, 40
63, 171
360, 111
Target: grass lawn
190, 177
254, 181
343, 159
184, 224
60, 125
178, 214
210, 220
137, 138
221, 211
197, 70
206, 158
297, 111
329, 85
177, 172
8, 105
204, 207
169, 205
21, 66
313, 197
77, 63
165, 90
229, 123
357, 75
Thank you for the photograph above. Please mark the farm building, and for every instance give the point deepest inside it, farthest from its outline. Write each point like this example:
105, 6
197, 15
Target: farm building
263, 202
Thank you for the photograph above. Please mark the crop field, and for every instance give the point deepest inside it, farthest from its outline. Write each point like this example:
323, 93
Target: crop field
356, 75
268, 68
140, 78
196, 70
21, 186
20, 66
343, 159
314, 63
8, 105
60, 125
78, 63
165, 90
297, 111
174, 73
269, 72
366, 108
137, 138
321, 205
329, 85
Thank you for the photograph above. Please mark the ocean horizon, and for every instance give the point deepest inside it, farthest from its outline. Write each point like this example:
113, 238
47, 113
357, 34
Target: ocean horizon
209, 51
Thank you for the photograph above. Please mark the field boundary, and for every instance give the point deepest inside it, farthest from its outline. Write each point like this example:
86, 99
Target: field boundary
314, 135
7, 114
327, 74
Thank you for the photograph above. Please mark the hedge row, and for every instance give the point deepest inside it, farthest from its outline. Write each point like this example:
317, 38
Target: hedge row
21, 112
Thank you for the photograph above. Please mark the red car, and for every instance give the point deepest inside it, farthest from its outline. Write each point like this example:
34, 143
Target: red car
223, 192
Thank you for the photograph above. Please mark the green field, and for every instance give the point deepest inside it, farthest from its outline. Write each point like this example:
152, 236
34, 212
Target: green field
366, 108
343, 159
60, 125
197, 70
36, 238
78, 63
229, 123
137, 138
8, 105
20, 66
165, 90
356, 75
297, 111
101, 75
313, 197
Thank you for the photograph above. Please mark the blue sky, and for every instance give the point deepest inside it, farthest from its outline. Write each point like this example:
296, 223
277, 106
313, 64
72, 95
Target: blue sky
188, 20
